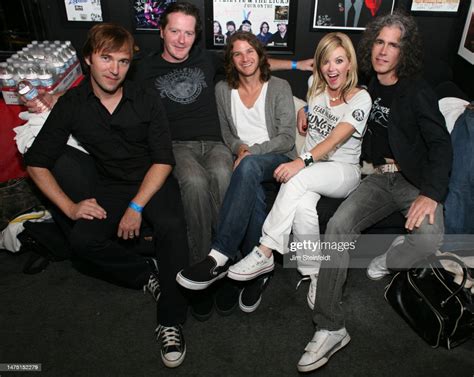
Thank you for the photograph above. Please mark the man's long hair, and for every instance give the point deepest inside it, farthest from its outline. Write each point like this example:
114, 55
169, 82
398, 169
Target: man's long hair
232, 76
411, 54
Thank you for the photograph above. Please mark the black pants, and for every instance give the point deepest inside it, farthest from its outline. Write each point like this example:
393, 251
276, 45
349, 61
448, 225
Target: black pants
96, 242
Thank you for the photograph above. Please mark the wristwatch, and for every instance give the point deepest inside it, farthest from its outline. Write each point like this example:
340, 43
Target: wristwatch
307, 159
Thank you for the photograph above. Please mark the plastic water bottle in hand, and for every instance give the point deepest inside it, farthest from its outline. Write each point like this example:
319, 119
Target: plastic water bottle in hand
31, 94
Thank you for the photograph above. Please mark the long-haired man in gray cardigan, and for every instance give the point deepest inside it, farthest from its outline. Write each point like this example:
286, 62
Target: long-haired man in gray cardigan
257, 118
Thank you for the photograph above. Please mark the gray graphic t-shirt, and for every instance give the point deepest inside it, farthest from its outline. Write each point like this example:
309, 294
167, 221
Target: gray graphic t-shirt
323, 118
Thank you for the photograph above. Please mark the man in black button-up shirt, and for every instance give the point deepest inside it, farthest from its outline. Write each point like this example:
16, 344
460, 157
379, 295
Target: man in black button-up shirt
125, 130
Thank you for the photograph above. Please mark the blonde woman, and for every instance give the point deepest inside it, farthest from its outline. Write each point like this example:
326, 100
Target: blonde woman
329, 164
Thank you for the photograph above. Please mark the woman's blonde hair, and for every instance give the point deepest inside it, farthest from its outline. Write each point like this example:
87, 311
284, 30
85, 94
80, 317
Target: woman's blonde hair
325, 47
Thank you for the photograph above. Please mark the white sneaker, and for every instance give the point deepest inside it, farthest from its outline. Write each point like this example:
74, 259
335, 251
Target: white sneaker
377, 268
323, 345
311, 296
253, 265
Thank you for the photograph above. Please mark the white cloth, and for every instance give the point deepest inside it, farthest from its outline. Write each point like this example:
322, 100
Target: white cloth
296, 205
455, 269
26, 134
250, 123
8, 237
323, 118
452, 108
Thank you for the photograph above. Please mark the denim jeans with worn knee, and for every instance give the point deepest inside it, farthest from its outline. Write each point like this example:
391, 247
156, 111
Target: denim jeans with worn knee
376, 198
203, 170
244, 210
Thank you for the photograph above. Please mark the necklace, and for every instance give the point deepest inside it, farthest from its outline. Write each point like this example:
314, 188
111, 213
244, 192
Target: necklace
333, 99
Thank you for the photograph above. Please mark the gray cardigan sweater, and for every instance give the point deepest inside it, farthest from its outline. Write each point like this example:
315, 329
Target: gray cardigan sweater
279, 116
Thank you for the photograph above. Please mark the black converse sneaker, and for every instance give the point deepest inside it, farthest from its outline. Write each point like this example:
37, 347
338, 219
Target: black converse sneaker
153, 285
201, 275
251, 296
173, 346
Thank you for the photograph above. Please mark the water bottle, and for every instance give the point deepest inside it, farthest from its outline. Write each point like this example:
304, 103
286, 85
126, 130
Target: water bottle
72, 50
58, 64
30, 93
67, 54
3, 74
40, 51
18, 71
32, 75
46, 77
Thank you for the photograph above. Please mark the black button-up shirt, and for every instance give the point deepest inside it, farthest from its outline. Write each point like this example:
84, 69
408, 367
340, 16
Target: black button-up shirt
124, 144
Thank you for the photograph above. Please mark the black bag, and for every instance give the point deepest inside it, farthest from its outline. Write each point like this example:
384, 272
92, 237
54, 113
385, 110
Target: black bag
17, 196
46, 243
429, 300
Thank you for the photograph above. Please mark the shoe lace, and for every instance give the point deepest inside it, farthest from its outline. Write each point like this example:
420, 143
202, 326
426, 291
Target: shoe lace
153, 286
170, 335
304, 278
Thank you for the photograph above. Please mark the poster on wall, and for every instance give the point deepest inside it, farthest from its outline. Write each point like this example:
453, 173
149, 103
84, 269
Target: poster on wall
450, 6
147, 13
83, 10
466, 48
348, 14
272, 21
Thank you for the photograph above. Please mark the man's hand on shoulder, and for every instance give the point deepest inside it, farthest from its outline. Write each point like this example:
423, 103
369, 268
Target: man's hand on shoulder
129, 225
87, 209
419, 209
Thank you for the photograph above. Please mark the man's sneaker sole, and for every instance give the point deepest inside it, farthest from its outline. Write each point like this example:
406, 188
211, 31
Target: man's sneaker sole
246, 277
248, 309
174, 363
322, 361
377, 277
197, 285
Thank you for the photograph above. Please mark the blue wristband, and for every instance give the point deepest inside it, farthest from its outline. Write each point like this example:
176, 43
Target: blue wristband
135, 207
305, 109
293, 65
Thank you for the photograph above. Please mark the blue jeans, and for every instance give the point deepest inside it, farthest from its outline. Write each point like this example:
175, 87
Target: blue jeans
244, 210
376, 197
203, 170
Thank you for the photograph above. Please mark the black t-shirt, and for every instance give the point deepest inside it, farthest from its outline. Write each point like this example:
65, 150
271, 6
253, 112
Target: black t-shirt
376, 146
187, 92
123, 144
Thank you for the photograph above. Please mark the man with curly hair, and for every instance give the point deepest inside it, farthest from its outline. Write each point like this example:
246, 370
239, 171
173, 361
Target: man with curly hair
409, 146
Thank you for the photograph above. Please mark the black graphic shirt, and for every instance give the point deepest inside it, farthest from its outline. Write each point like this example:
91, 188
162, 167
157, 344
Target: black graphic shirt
187, 92
376, 146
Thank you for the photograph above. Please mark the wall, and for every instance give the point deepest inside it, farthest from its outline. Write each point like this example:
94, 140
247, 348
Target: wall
441, 35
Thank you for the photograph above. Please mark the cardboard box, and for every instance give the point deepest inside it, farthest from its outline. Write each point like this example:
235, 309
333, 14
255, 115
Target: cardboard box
72, 74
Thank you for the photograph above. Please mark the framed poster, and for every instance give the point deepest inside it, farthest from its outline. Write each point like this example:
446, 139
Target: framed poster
83, 10
272, 21
466, 48
147, 14
347, 14
449, 6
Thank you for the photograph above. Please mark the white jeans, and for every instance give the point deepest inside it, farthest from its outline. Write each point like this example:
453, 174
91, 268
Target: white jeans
295, 206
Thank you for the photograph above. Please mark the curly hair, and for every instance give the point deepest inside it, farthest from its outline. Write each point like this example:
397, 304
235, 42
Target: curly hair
232, 75
182, 7
411, 54
325, 47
